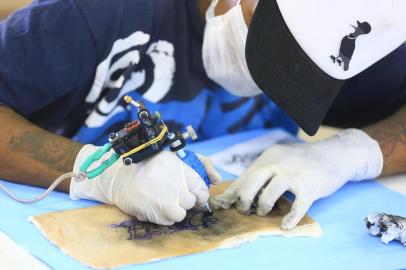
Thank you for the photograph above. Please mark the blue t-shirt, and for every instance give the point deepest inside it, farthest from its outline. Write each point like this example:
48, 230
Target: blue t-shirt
66, 65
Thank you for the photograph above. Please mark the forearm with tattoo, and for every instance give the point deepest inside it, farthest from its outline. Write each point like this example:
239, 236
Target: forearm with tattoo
391, 135
31, 155
48, 151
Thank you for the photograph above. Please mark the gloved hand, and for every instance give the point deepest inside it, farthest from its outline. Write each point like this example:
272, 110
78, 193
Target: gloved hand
310, 171
159, 189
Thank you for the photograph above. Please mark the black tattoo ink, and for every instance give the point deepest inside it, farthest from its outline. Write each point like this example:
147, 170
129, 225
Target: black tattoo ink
139, 230
244, 159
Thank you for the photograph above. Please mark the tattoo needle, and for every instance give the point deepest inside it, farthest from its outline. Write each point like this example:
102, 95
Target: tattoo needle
207, 206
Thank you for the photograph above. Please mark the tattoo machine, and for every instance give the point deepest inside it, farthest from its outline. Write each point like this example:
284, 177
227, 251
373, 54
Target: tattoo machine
137, 141
141, 139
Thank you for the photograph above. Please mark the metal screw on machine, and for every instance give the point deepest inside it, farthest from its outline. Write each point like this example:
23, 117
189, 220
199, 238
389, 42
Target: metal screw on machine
176, 143
129, 100
144, 114
128, 161
112, 137
190, 133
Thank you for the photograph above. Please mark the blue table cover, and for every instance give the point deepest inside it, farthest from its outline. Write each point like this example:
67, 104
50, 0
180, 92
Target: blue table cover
345, 243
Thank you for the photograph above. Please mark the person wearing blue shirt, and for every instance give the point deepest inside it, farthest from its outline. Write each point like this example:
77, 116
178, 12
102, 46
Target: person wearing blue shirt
67, 64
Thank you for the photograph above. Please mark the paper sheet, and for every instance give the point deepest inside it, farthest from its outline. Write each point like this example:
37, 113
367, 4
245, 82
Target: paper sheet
14, 257
104, 237
237, 158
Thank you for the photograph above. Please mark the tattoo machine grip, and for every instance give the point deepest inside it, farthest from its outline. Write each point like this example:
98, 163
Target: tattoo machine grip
191, 159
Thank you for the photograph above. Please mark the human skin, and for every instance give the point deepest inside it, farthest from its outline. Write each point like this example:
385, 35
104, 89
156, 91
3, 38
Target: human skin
33, 156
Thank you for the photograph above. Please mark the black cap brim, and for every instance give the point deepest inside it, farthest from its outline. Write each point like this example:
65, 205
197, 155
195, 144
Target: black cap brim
284, 72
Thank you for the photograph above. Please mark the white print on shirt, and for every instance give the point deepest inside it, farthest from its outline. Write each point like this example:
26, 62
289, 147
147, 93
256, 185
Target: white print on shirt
162, 55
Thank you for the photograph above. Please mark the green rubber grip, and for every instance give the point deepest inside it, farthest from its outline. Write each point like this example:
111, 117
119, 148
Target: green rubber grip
95, 157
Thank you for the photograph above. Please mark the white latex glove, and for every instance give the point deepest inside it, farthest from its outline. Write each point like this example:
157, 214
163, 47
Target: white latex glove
310, 171
159, 189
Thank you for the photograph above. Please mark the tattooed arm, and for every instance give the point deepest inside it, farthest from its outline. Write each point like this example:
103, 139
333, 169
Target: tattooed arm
31, 155
391, 135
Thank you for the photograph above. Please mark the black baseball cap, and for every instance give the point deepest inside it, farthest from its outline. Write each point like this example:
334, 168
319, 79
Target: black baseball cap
300, 53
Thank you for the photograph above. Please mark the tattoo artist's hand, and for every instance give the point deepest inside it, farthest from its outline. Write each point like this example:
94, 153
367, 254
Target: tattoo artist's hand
310, 171
159, 189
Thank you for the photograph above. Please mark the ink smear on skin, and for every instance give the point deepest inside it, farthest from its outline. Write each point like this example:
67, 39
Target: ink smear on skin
244, 159
194, 220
